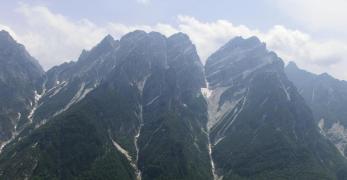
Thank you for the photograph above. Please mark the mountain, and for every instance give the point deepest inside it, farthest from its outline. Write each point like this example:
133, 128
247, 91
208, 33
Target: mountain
19, 74
69, 83
327, 98
144, 107
260, 127
145, 119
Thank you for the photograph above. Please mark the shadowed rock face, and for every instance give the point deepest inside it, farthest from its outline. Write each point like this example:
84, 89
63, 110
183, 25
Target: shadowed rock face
19, 73
327, 98
140, 108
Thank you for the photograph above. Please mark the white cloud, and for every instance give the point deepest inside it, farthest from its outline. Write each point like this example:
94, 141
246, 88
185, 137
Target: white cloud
53, 39
322, 14
118, 30
313, 55
143, 1
208, 37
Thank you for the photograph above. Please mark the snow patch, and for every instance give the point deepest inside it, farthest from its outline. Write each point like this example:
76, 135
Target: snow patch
136, 139
321, 126
77, 96
213, 97
218, 141
123, 151
129, 158
206, 92
85, 92
141, 84
236, 114
285, 89
213, 167
80, 94
41, 123
37, 98
19, 115
264, 101
57, 89
152, 101
34, 145
5, 143
13, 135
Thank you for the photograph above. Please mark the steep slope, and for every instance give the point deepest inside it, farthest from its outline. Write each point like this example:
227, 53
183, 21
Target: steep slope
69, 83
64, 85
173, 144
146, 120
136, 109
260, 126
327, 98
19, 73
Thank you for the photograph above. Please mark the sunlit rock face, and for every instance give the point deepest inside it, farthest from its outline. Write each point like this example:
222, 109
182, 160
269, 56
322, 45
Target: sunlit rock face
260, 126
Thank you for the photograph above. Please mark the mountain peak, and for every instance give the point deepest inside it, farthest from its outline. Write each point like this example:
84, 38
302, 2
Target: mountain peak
6, 39
180, 36
239, 44
245, 42
9, 45
292, 65
4, 33
108, 37
104, 46
240, 39
181, 40
107, 40
132, 103
238, 59
326, 76
135, 34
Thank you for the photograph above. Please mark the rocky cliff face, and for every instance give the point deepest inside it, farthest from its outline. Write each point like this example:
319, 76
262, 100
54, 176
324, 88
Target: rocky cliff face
144, 107
19, 74
146, 116
327, 98
69, 83
260, 126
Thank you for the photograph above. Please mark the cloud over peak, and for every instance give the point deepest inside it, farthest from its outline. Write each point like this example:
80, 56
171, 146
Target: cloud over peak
53, 38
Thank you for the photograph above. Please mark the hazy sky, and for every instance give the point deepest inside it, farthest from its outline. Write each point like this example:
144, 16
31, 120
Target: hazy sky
310, 33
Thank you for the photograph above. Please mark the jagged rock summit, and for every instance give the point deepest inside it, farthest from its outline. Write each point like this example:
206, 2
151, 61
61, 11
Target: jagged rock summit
144, 107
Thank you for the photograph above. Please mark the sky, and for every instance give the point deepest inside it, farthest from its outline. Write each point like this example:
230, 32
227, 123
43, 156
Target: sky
309, 33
